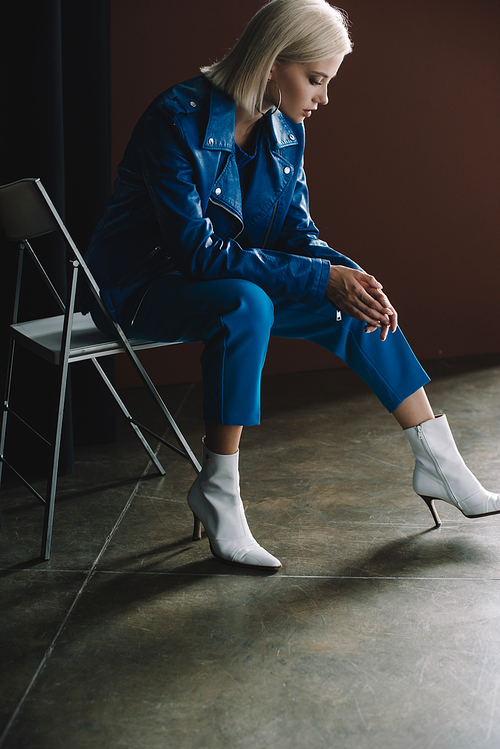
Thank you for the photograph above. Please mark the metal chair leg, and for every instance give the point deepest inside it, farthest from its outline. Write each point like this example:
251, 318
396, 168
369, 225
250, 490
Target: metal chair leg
56, 443
129, 418
6, 401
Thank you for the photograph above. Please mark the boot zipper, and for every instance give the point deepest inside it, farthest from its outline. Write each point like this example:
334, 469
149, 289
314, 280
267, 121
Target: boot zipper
422, 437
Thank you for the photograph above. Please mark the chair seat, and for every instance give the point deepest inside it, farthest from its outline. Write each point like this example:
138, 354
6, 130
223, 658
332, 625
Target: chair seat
43, 337
26, 213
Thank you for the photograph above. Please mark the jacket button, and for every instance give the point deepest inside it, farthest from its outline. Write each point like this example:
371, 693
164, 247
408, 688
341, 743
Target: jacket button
218, 191
291, 136
192, 104
287, 170
210, 141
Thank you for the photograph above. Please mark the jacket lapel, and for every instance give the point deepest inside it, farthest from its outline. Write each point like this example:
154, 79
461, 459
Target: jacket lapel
274, 167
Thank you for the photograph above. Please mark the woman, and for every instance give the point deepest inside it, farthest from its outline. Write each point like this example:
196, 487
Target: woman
208, 237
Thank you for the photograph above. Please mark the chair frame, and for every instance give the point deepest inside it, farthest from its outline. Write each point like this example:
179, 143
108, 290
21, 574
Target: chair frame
44, 217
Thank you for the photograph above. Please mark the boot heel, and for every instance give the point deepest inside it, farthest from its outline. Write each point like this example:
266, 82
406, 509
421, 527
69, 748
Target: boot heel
429, 501
196, 529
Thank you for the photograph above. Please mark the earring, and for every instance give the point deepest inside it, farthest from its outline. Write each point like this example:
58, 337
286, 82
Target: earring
274, 109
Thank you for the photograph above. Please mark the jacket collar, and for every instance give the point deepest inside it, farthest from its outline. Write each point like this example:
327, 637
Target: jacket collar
220, 129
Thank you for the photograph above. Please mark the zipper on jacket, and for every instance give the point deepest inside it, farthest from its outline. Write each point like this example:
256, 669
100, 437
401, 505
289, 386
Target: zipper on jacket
138, 266
269, 228
225, 208
141, 301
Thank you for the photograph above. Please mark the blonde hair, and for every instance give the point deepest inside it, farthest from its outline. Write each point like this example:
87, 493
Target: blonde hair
290, 31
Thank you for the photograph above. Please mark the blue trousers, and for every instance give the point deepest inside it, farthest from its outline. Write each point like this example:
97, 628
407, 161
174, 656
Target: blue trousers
235, 318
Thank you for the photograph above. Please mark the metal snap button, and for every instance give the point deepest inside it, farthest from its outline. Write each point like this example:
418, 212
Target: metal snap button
192, 104
287, 170
218, 190
210, 141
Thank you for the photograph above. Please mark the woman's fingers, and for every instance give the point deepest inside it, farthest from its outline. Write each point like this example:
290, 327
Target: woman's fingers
384, 330
375, 289
361, 296
378, 299
346, 292
390, 311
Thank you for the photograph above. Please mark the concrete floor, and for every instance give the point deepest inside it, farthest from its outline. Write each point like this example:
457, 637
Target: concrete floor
376, 633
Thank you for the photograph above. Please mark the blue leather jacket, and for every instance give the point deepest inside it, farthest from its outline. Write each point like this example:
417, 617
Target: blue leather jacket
177, 206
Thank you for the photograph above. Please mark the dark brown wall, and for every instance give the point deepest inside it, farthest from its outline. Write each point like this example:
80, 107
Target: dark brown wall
403, 165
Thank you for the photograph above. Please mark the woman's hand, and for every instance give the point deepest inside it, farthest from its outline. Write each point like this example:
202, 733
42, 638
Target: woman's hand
361, 296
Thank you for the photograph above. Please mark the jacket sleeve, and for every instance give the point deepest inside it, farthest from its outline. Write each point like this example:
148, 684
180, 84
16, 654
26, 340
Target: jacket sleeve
299, 233
172, 174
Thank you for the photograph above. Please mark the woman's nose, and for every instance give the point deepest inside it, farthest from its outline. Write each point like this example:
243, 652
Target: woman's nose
322, 97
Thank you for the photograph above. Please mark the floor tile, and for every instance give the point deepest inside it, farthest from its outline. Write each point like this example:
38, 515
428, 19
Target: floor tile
208, 662
33, 607
378, 630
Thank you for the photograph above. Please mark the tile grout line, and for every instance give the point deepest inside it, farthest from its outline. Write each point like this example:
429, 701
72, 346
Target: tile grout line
302, 577
85, 583
275, 576
76, 600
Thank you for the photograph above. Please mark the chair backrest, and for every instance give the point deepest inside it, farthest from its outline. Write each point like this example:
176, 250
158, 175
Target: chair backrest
24, 213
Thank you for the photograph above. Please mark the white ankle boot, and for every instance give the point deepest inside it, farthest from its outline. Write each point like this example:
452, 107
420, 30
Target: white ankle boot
215, 499
440, 472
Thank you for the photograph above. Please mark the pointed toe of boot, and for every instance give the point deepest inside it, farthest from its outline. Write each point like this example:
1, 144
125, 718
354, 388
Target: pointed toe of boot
215, 500
480, 504
251, 554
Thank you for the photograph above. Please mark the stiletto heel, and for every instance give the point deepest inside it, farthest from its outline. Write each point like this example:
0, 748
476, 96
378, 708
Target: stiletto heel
196, 529
429, 501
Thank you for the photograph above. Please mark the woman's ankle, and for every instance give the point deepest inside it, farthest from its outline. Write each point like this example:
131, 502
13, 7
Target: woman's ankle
223, 439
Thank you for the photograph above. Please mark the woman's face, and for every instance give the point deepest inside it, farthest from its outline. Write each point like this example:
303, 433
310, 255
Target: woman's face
303, 86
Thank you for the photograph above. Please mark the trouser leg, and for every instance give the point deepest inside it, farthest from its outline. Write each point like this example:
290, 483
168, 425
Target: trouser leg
232, 317
389, 367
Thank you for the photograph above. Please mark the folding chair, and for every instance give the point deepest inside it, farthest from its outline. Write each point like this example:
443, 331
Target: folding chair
26, 212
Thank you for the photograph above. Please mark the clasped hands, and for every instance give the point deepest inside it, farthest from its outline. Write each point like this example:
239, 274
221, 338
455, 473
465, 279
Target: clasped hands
361, 296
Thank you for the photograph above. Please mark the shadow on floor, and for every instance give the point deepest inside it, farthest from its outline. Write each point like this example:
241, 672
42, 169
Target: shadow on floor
378, 631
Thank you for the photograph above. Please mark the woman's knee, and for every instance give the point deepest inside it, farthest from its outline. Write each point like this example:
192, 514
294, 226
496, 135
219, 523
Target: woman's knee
252, 305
